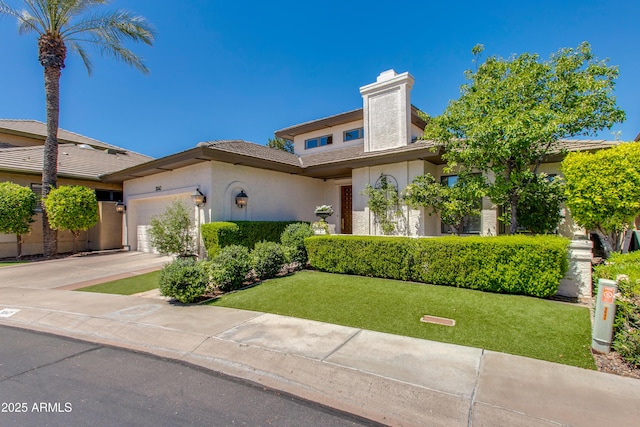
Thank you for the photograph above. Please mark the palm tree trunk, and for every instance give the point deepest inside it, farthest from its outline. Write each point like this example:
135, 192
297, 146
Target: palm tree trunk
50, 156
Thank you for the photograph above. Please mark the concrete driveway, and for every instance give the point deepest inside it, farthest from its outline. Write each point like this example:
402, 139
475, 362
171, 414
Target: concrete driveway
80, 270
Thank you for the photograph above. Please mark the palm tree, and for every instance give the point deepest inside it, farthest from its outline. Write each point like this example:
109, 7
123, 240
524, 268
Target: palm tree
73, 23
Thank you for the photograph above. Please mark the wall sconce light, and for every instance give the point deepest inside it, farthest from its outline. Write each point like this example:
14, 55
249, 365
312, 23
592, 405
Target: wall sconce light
120, 207
241, 199
198, 198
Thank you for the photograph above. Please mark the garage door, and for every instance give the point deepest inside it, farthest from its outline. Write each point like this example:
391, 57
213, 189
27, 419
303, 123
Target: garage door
141, 212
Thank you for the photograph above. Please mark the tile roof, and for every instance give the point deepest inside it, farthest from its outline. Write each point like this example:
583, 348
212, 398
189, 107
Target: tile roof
335, 163
357, 152
36, 128
251, 149
586, 144
73, 160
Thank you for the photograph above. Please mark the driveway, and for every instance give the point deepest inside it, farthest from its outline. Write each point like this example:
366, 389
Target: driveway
79, 271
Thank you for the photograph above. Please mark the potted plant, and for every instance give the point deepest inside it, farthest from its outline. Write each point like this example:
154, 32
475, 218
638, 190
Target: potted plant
324, 211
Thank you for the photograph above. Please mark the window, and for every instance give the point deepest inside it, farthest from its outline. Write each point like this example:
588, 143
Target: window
318, 142
350, 135
108, 195
472, 224
37, 188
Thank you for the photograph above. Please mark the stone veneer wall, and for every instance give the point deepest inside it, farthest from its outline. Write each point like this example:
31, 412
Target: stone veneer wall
577, 282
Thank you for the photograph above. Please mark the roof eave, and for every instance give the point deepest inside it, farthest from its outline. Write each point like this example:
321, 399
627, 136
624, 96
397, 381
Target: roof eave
324, 123
194, 156
343, 168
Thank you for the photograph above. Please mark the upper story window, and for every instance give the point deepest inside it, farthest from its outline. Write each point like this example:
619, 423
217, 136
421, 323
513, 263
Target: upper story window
318, 142
350, 135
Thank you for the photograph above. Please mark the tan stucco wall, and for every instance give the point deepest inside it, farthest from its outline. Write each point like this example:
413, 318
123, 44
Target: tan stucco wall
27, 179
104, 235
20, 141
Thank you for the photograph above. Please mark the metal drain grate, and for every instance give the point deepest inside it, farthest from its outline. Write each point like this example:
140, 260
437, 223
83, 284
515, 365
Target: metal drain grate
437, 320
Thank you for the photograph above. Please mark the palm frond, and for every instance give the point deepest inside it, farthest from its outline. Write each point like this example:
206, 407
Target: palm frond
28, 24
5, 9
78, 7
39, 10
84, 55
125, 55
72, 21
116, 26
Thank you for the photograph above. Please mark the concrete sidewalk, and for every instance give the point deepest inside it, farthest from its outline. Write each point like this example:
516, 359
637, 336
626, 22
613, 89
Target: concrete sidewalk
387, 378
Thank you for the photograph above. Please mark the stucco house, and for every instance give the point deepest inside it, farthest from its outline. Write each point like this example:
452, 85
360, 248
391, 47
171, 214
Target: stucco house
81, 161
334, 159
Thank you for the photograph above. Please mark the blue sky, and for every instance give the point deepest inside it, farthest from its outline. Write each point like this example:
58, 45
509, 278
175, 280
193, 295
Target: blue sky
241, 70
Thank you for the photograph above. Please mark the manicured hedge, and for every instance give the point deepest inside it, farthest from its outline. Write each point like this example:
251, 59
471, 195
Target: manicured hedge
216, 235
508, 264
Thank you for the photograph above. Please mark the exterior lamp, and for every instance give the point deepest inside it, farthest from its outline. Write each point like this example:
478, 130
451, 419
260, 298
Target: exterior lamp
241, 199
198, 198
120, 207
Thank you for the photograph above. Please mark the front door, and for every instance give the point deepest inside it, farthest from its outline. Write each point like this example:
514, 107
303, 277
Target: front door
346, 208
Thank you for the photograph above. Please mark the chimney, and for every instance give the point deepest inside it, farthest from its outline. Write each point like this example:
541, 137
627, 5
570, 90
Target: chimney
387, 111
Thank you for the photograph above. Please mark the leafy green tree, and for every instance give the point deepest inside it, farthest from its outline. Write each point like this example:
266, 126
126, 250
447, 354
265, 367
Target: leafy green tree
603, 191
17, 207
453, 203
73, 208
59, 24
281, 144
514, 112
172, 232
539, 204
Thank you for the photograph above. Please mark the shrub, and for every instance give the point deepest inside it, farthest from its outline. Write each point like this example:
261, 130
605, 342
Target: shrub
292, 240
17, 207
508, 264
172, 233
268, 259
603, 190
230, 267
217, 235
626, 326
184, 279
73, 208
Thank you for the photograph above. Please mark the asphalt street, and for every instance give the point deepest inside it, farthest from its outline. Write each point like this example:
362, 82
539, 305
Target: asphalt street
47, 380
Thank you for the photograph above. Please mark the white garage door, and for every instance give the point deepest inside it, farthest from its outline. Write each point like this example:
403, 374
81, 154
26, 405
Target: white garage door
141, 212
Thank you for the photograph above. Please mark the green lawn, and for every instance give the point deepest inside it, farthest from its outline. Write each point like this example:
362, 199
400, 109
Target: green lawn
526, 326
8, 263
128, 286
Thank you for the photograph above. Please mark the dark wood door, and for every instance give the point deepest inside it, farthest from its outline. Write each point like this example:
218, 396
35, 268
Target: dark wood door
346, 208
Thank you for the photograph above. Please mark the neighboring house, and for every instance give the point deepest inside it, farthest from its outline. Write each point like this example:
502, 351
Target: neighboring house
334, 159
81, 161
